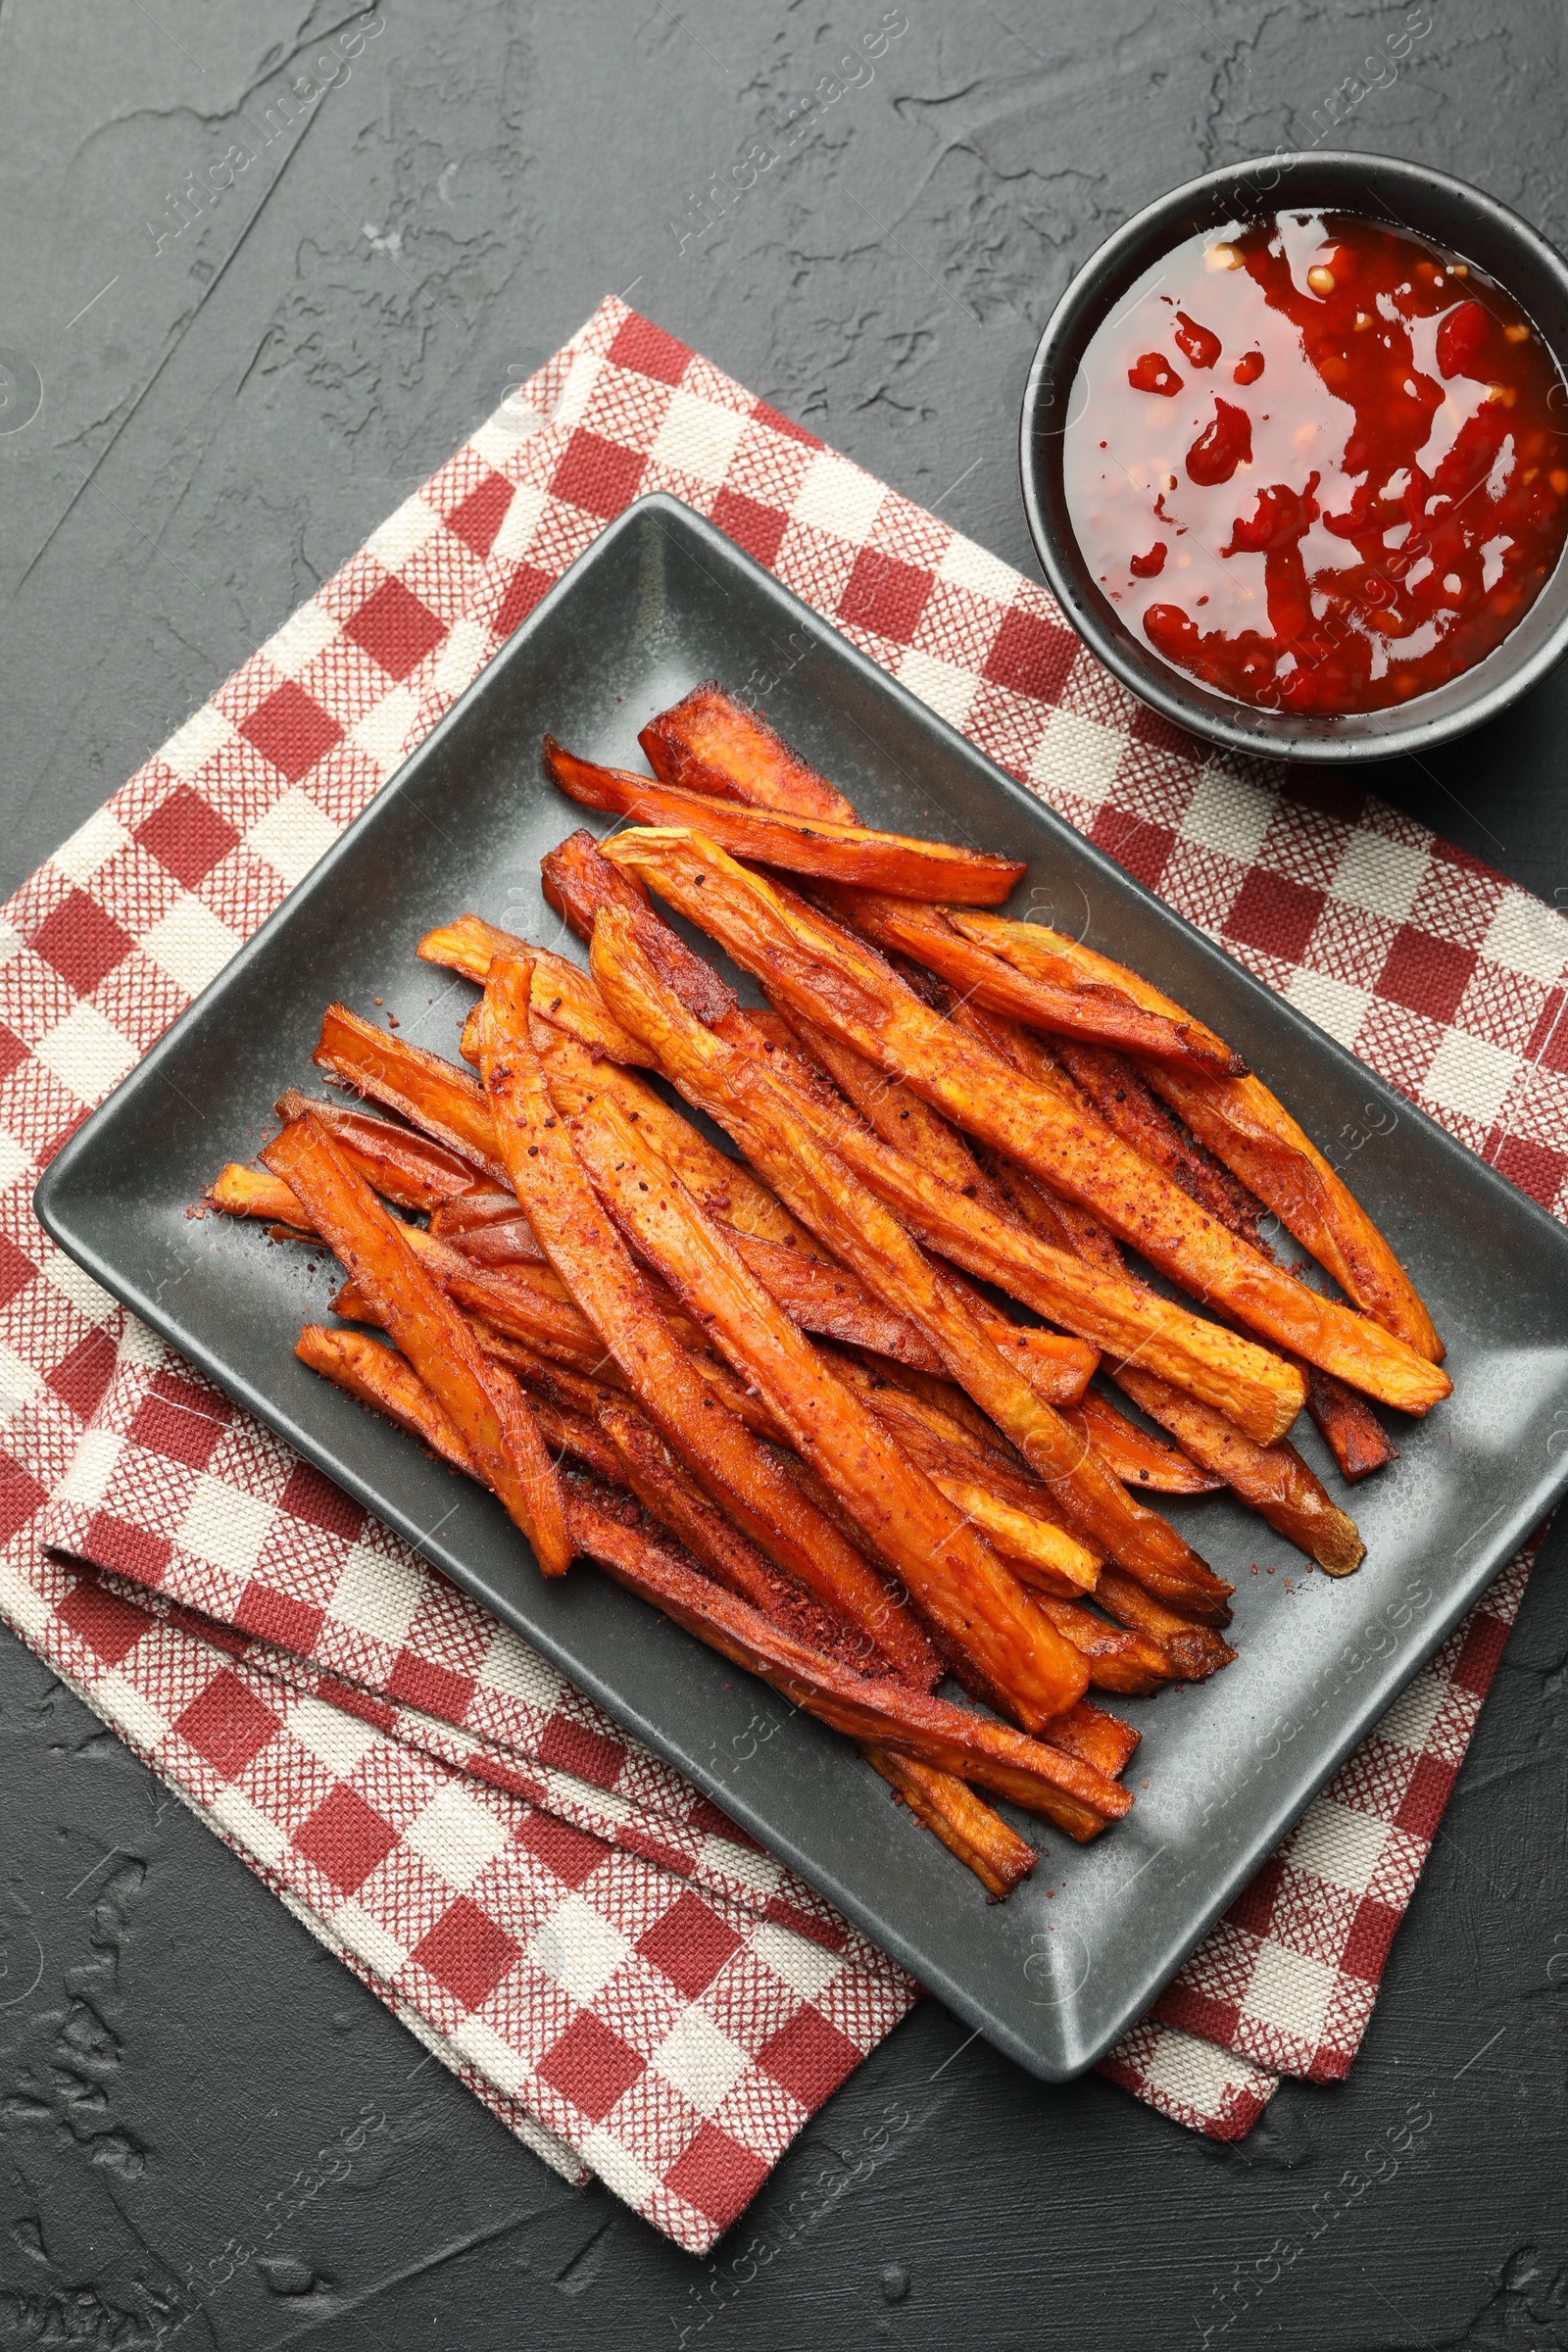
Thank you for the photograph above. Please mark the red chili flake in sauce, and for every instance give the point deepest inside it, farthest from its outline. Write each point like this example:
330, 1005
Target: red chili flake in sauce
1461, 339
1201, 347
1222, 445
1152, 373
1371, 521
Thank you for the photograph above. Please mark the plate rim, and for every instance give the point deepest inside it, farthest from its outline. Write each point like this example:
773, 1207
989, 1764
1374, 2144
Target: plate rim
51, 1207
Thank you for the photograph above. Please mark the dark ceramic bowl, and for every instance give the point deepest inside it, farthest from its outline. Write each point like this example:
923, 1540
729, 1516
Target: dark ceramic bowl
1473, 227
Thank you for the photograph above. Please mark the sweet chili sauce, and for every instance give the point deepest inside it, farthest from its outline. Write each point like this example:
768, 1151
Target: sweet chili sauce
1317, 463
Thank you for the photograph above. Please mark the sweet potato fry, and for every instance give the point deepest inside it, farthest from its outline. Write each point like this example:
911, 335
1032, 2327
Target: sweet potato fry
760, 1025
1019, 1662
815, 1289
584, 1394
890, 861
1101, 1740
765, 1032
1036, 948
966, 1824
1118, 1659
953, 1443
540, 1352
819, 972
472, 1213
1349, 1427
503, 1242
821, 1298
909, 1126
1101, 1015
380, 1377
817, 1292
550, 1378
1121, 1095
468, 944
1036, 1258
533, 1305
240, 1192
469, 1038
1127, 1661
724, 1184
434, 1093
1130, 1107
822, 1295
903, 1722
766, 1121
990, 1632
1058, 1369
1147, 1464
560, 992
988, 1366
448, 1103
640, 1460
1062, 1225
979, 1836
1027, 1772
816, 1296
726, 1187
1038, 1551
533, 1332
975, 1447
943, 1401
1100, 1306
578, 881
1250, 1132
484, 1404
824, 1298
1196, 1651
895, 1114
710, 743
1273, 1478
588, 1253
385, 1381
529, 1302
972, 1830
507, 1320
1014, 1509
400, 1165
569, 1434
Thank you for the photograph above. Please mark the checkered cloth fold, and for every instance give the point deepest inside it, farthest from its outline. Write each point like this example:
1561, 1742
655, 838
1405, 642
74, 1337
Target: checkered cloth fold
628, 1982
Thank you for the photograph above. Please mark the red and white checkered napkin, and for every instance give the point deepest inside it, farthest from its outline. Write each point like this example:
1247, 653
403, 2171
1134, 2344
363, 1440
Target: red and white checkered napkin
621, 1974
629, 1983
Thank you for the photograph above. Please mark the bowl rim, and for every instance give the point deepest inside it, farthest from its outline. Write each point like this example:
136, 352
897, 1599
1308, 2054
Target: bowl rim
1256, 185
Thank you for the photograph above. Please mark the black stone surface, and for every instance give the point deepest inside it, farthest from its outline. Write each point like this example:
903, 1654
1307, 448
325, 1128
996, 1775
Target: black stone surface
209, 2132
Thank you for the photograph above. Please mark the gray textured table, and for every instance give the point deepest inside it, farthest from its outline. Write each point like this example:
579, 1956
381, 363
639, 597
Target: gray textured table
195, 429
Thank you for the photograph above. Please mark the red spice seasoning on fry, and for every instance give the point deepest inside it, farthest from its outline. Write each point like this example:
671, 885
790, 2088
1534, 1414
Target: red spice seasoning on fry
1347, 450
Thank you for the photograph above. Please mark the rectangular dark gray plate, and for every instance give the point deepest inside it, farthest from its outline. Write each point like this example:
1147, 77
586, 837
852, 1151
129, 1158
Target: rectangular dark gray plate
658, 602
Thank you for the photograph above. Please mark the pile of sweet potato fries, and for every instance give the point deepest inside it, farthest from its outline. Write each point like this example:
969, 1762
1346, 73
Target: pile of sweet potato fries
784, 1396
